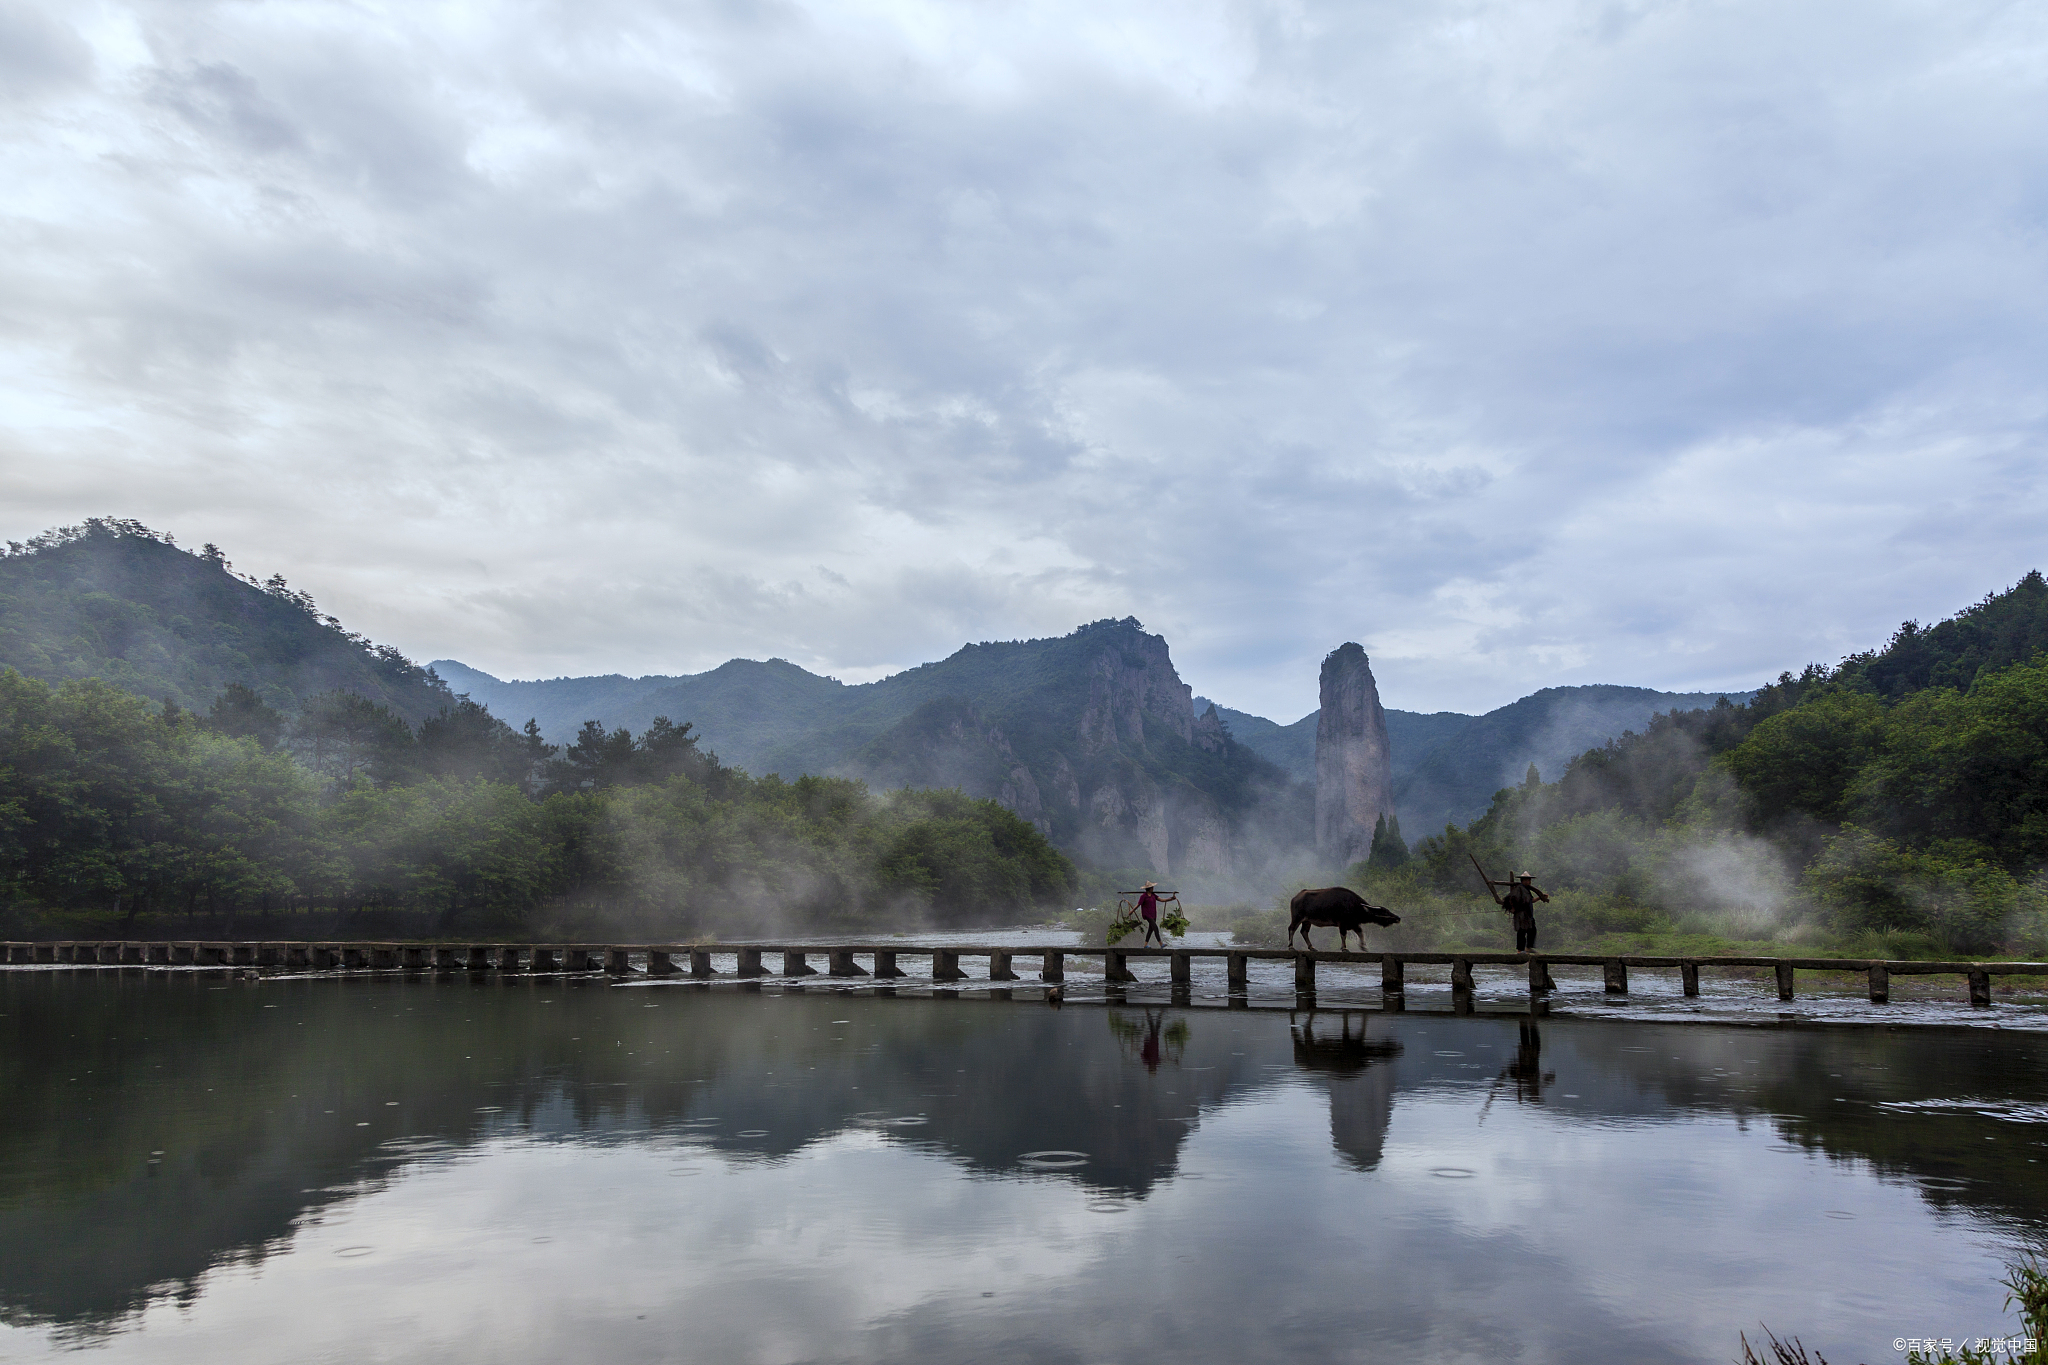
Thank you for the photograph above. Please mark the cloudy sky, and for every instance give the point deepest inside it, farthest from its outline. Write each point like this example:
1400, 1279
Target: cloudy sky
1526, 343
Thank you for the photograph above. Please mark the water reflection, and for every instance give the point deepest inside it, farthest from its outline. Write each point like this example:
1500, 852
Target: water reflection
166, 1135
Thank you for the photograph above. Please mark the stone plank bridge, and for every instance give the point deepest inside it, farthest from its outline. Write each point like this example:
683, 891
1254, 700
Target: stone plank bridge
755, 960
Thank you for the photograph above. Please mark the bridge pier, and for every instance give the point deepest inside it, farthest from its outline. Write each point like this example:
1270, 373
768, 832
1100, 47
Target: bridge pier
1461, 975
700, 965
750, 963
1980, 989
544, 959
509, 959
1237, 971
1115, 970
619, 961
793, 964
1785, 980
1393, 974
1689, 977
411, 958
999, 967
1880, 985
1054, 967
158, 954
659, 963
1614, 973
1539, 976
1181, 970
885, 964
1304, 974
946, 965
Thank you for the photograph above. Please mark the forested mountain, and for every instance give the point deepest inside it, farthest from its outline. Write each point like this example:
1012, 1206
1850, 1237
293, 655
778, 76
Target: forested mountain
1455, 781
121, 813
256, 758
1903, 791
116, 600
1091, 736
774, 717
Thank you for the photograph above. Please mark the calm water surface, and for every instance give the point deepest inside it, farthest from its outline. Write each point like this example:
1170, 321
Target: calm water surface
193, 1168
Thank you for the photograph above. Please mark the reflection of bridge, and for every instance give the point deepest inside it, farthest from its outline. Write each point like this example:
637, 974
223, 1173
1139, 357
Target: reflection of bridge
695, 960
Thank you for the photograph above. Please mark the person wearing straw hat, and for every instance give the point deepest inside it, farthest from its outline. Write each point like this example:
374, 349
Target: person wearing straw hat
1148, 910
1519, 900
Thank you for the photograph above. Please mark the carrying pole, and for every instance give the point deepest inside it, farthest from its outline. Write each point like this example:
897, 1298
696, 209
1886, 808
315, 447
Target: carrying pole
1482, 876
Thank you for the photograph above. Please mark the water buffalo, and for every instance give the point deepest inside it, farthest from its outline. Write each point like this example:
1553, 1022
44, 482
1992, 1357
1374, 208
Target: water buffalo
1334, 907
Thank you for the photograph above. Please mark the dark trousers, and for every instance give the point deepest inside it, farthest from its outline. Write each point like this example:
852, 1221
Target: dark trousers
1525, 935
1152, 932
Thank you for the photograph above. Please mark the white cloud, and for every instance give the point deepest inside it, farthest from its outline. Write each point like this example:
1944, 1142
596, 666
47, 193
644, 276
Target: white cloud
1528, 344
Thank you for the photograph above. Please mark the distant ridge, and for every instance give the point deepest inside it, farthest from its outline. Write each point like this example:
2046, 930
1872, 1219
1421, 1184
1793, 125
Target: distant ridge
1091, 736
115, 600
1447, 766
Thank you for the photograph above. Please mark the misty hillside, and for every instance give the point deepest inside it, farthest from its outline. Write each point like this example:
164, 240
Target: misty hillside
1455, 781
1091, 736
115, 600
1894, 800
1411, 735
1447, 765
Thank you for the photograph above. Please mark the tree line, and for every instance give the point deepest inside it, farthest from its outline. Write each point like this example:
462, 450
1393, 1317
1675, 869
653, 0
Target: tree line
1903, 792
120, 810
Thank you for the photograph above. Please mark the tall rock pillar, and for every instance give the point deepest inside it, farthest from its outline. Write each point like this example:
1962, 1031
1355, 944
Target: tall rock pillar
1354, 766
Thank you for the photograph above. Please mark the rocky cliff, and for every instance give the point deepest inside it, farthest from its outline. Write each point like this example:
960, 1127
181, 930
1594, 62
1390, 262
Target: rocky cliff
1094, 739
1354, 768
1091, 736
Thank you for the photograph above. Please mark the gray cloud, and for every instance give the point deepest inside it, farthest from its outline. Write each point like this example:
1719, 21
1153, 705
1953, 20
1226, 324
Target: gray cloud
1528, 344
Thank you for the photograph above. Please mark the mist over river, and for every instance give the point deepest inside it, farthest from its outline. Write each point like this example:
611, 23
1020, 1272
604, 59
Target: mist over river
390, 1168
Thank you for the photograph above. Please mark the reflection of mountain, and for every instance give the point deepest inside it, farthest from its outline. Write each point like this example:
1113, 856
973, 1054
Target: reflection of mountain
255, 1094
273, 1104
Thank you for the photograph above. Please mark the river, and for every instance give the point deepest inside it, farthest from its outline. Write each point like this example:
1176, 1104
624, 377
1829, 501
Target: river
195, 1167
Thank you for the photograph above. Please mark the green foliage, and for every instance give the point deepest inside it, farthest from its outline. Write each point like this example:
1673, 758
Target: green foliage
105, 802
115, 600
1874, 798
1264, 929
110, 804
1949, 890
1804, 760
240, 713
1389, 850
2004, 629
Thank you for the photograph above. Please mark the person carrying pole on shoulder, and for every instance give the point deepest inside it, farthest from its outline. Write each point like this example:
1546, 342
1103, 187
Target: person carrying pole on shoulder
1519, 900
1148, 910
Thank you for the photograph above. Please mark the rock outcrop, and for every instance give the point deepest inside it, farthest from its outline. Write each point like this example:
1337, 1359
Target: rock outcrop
1354, 767
1094, 739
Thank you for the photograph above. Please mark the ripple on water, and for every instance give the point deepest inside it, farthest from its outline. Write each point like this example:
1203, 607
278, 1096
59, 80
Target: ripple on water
1052, 1160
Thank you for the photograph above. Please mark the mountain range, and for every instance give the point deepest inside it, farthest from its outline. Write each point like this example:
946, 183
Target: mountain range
1091, 736
775, 717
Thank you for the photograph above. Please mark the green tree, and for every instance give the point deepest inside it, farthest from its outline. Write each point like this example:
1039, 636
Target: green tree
240, 713
1389, 851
